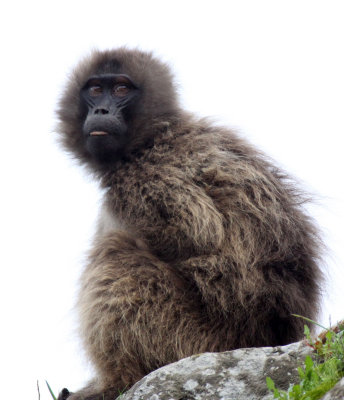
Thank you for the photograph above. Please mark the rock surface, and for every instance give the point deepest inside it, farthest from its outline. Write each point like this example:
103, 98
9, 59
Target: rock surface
232, 375
336, 393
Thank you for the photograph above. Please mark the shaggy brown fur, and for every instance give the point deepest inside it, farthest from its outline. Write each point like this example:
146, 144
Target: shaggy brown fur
202, 244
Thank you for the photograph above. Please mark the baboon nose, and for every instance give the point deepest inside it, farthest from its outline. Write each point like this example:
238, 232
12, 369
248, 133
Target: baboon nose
101, 111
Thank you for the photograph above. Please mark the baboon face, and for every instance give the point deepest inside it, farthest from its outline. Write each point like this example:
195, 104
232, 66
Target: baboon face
112, 98
108, 101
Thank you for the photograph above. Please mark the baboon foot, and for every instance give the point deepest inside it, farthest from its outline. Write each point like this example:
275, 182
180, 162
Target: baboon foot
64, 394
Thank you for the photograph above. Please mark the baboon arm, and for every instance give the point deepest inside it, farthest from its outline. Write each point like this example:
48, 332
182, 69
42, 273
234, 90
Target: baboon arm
174, 215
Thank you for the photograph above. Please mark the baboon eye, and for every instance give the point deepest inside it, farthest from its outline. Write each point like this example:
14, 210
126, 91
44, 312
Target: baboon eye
120, 90
95, 90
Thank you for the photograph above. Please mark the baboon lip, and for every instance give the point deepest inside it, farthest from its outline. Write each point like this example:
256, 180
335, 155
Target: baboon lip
98, 133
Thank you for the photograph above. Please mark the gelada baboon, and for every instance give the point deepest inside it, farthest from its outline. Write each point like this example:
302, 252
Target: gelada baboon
202, 243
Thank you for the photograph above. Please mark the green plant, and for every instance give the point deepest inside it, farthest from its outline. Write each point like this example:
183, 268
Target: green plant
50, 390
320, 373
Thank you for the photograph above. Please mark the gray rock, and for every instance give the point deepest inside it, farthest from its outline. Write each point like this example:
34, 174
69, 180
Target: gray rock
232, 375
336, 393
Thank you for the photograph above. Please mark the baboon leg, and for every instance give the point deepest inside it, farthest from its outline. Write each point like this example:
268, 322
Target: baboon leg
138, 314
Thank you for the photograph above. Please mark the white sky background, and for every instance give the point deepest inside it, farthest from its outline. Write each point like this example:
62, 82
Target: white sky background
273, 70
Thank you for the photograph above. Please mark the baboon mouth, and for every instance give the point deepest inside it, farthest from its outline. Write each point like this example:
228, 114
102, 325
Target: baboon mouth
98, 133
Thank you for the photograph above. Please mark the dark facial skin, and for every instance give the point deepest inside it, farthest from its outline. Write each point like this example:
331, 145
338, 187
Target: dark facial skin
108, 100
